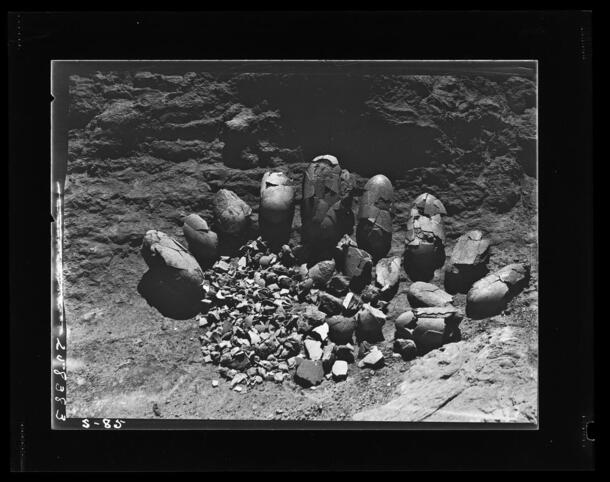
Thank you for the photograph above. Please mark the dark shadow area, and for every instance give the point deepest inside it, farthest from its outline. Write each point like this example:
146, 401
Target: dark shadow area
323, 114
158, 289
357, 283
373, 240
276, 235
431, 341
368, 337
422, 267
461, 280
228, 245
389, 294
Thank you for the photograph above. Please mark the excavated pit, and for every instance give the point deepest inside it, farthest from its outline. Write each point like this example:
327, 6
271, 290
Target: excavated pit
146, 148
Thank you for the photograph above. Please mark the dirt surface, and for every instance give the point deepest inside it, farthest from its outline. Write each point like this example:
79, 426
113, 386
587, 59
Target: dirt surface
147, 148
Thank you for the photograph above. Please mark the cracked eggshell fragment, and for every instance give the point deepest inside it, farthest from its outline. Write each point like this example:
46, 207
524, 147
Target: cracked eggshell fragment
471, 248
429, 205
515, 275
276, 207
353, 262
357, 263
435, 326
425, 236
430, 333
404, 324
277, 198
326, 208
447, 312
231, 212
201, 240
426, 228
468, 262
443, 319
374, 232
427, 294
161, 251
174, 281
489, 295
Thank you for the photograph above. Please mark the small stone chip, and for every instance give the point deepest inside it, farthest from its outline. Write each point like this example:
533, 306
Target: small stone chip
322, 331
339, 370
222, 265
314, 349
328, 356
387, 272
373, 360
309, 373
239, 378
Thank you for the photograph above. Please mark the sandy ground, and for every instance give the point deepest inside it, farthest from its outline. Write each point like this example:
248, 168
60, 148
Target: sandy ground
125, 360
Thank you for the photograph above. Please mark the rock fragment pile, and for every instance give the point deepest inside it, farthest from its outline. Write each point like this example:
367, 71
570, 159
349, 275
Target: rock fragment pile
270, 310
264, 317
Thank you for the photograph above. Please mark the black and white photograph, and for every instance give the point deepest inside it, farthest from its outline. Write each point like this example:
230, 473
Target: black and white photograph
305, 241
302, 241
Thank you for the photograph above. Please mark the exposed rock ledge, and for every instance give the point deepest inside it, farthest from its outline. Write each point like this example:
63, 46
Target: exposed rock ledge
485, 379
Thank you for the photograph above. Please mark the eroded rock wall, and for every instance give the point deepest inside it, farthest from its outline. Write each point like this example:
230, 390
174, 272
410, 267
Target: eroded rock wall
146, 149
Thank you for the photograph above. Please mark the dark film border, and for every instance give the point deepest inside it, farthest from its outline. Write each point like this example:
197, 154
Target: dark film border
60, 72
566, 398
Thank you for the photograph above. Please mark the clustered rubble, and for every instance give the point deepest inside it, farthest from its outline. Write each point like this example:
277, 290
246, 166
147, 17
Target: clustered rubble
275, 308
265, 315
